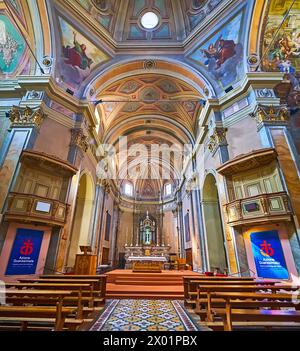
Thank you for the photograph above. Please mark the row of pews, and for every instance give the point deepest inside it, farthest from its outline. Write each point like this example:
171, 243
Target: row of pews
52, 302
229, 303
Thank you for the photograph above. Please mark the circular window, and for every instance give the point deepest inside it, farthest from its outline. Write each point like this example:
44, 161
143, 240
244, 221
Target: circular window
149, 20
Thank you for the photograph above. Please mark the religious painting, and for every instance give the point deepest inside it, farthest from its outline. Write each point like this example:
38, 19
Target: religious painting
222, 54
107, 227
283, 53
79, 55
187, 227
12, 46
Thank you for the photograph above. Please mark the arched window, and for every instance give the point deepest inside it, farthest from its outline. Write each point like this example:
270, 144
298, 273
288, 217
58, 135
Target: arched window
168, 189
97, 114
128, 189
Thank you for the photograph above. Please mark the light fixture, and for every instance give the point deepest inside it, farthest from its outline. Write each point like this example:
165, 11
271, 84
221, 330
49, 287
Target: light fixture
149, 20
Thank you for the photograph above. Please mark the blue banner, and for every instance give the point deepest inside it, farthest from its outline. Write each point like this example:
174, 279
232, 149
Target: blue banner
25, 252
268, 255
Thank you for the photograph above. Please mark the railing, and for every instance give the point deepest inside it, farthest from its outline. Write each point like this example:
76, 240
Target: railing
260, 208
36, 209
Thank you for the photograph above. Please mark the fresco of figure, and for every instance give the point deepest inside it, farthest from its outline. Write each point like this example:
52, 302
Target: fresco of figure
226, 51
76, 56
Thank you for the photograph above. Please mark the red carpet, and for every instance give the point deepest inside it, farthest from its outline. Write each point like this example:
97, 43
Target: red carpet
165, 285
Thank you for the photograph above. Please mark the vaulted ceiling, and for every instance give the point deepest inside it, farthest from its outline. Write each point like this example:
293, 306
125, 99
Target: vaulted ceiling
121, 20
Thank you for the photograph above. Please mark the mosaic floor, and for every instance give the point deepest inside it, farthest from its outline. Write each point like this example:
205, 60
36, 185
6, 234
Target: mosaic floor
144, 315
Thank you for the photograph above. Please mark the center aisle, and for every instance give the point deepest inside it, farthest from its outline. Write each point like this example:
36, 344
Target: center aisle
145, 315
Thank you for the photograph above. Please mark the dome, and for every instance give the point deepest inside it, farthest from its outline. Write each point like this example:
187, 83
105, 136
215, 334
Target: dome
123, 20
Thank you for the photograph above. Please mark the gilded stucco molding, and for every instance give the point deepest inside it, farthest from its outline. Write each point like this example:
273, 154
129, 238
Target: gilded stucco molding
26, 117
79, 139
217, 139
270, 115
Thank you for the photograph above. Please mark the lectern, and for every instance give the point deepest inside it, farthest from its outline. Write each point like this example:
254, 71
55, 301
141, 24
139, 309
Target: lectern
86, 263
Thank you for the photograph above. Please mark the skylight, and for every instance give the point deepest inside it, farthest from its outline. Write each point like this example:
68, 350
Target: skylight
149, 20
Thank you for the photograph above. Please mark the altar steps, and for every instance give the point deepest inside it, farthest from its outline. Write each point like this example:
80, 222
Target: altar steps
125, 284
148, 282
143, 291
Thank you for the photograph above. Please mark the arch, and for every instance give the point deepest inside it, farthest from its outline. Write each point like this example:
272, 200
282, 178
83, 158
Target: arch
82, 216
115, 70
213, 225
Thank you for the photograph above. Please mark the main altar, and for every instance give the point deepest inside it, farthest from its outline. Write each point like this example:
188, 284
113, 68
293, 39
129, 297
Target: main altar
148, 254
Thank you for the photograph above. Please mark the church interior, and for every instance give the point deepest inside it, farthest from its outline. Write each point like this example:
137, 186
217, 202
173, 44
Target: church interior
149, 165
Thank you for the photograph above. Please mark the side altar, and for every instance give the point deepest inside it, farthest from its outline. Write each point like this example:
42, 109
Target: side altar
147, 255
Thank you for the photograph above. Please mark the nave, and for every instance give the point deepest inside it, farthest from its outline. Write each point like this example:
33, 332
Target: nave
206, 303
149, 165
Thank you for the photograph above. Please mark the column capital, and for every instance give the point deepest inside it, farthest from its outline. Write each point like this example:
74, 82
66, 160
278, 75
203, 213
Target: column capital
79, 139
270, 115
26, 117
217, 139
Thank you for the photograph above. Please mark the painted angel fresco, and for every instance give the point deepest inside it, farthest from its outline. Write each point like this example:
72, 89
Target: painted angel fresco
79, 56
222, 53
284, 55
222, 58
76, 56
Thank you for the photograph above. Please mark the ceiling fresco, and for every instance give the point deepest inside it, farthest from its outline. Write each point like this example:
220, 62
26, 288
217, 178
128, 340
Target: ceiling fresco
222, 53
79, 56
12, 46
150, 94
122, 20
283, 54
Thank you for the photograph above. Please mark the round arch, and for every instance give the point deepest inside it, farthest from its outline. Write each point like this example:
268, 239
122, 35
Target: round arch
213, 225
82, 216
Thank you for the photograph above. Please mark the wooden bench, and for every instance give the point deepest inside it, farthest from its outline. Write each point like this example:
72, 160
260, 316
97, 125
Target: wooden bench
94, 282
42, 314
102, 278
76, 296
209, 289
25, 323
191, 284
190, 289
230, 315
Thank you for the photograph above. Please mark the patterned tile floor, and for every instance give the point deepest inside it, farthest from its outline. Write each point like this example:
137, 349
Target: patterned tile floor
145, 315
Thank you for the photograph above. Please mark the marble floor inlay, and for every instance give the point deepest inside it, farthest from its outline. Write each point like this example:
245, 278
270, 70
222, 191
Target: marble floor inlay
145, 315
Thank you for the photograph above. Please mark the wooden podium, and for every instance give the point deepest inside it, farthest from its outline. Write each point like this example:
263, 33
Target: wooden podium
86, 263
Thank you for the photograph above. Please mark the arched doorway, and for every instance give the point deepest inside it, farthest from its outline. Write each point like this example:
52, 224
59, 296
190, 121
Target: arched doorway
82, 217
213, 225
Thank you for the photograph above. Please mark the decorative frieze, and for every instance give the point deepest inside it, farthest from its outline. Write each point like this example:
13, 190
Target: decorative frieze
217, 139
79, 139
272, 115
265, 93
26, 117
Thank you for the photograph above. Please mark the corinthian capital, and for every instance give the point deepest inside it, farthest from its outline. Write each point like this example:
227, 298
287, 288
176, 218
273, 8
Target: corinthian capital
79, 139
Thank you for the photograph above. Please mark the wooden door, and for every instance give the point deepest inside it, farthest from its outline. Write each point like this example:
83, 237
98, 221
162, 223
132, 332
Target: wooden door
189, 257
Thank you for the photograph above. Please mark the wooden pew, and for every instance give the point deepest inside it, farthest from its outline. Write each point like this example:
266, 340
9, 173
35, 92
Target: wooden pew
55, 316
207, 290
188, 287
102, 278
76, 290
191, 283
276, 317
95, 283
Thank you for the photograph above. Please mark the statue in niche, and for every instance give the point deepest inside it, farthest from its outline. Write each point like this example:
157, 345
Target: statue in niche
147, 231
